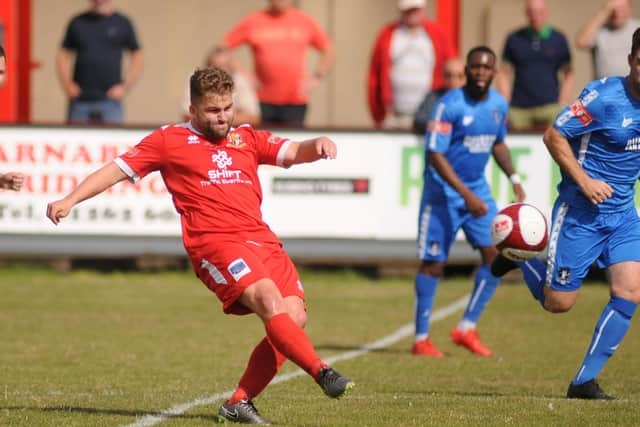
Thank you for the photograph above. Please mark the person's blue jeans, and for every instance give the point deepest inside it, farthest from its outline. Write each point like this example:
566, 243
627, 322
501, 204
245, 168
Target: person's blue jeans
107, 111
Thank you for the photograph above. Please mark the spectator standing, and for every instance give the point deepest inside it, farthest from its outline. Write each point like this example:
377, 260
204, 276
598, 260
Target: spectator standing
608, 36
453, 78
533, 58
245, 100
407, 62
98, 38
10, 180
279, 37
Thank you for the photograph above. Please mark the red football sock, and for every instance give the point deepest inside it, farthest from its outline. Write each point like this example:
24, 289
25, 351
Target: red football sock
262, 367
291, 340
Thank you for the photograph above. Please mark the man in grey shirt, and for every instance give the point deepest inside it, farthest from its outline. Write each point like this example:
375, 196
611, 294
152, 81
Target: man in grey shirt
608, 36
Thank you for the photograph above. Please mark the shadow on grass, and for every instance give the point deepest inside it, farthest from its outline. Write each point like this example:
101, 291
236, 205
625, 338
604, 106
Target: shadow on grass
99, 411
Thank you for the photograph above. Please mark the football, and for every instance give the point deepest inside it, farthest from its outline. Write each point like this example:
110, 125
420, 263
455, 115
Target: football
519, 231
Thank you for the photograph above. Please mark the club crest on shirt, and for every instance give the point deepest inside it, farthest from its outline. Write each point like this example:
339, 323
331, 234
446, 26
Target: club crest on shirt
234, 140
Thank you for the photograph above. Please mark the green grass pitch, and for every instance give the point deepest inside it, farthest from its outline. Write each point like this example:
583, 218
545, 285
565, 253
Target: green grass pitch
93, 349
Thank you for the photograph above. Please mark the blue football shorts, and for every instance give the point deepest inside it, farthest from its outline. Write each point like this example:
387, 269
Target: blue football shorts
579, 238
439, 222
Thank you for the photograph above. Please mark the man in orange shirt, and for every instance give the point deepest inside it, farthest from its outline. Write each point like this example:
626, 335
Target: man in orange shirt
279, 37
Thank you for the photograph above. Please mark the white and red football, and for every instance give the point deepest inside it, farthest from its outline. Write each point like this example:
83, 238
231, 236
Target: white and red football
519, 231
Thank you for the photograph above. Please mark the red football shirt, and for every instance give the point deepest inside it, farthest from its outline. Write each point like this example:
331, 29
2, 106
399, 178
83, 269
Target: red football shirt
214, 184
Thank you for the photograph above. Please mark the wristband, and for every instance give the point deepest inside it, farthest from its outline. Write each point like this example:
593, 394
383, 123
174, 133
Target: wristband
515, 179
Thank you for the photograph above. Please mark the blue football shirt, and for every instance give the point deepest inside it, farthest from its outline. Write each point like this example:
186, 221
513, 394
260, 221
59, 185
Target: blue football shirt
464, 130
603, 130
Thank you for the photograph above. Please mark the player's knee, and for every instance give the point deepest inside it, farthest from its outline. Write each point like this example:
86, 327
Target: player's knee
558, 306
300, 318
433, 269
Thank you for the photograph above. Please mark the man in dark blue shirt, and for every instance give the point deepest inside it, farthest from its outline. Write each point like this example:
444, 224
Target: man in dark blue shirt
96, 90
535, 56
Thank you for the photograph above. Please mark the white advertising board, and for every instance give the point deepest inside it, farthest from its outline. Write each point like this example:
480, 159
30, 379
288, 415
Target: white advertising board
371, 191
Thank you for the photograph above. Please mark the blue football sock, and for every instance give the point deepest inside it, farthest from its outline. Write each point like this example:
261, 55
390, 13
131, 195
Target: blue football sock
534, 272
425, 287
484, 287
610, 330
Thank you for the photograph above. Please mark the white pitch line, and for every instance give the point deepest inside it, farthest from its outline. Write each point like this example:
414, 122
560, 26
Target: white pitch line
398, 335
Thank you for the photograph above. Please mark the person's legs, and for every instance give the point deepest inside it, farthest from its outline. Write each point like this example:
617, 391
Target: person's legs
293, 114
520, 118
78, 112
478, 232
111, 111
437, 226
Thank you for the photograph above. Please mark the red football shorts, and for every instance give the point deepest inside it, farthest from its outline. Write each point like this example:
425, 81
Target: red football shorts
229, 267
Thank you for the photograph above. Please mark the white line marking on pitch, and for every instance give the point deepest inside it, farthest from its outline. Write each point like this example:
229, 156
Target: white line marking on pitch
398, 335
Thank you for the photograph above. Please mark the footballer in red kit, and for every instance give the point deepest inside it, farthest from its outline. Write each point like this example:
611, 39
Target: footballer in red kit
211, 172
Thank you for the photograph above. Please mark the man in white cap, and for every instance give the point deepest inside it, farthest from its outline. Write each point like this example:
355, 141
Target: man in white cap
406, 63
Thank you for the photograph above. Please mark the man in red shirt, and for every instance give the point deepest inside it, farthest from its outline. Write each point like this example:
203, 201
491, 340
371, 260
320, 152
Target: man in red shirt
279, 38
210, 169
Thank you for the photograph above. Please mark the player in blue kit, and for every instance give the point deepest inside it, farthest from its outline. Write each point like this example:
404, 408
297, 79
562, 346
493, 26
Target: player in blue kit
467, 126
596, 143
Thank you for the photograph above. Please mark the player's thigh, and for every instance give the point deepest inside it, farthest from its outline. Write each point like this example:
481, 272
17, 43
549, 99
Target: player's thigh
228, 268
575, 243
437, 228
478, 230
282, 271
621, 256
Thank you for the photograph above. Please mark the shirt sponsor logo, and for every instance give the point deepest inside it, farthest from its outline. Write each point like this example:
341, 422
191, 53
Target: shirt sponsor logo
581, 113
633, 144
222, 175
215, 274
234, 140
479, 143
193, 139
238, 269
437, 126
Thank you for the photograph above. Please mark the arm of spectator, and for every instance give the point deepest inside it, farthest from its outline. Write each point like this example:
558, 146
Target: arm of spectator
423, 113
565, 94
63, 67
503, 80
585, 38
322, 69
118, 91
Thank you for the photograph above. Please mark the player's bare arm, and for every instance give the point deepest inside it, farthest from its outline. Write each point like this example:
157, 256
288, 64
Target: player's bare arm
503, 158
310, 150
92, 185
595, 190
11, 181
475, 205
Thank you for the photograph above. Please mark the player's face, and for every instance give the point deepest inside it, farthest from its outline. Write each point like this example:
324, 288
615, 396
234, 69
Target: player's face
280, 5
3, 70
634, 73
480, 71
212, 115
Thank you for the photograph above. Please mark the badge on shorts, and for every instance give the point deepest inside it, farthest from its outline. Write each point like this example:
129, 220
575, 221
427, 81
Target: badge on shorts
434, 248
238, 269
564, 275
